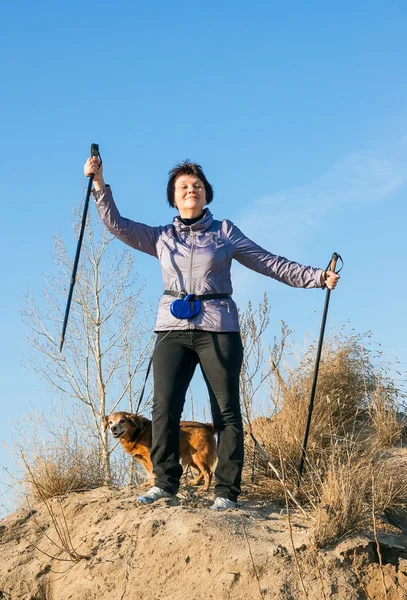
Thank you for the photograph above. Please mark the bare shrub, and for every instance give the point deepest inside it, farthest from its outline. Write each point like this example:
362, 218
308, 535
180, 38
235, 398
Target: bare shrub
345, 380
254, 373
58, 519
58, 469
342, 506
355, 423
345, 492
108, 341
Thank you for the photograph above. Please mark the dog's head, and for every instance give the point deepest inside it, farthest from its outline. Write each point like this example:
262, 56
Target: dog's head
124, 425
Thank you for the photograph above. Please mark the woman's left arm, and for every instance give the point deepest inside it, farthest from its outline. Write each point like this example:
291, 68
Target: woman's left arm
254, 257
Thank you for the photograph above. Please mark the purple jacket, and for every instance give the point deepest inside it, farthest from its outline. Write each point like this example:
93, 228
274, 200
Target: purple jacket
197, 259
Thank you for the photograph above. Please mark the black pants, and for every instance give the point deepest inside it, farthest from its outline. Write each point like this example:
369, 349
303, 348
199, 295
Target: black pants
176, 356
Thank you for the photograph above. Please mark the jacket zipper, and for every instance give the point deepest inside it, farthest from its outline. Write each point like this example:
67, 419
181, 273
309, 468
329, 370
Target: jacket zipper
191, 257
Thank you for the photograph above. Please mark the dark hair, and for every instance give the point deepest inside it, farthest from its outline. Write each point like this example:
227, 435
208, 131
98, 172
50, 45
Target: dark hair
187, 168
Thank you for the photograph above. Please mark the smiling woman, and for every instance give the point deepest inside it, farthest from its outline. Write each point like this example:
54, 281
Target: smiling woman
186, 181
189, 196
201, 325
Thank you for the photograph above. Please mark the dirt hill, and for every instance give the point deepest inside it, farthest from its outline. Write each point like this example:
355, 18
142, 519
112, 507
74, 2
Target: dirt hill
178, 549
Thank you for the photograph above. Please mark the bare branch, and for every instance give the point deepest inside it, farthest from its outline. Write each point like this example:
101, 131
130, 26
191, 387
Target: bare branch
108, 339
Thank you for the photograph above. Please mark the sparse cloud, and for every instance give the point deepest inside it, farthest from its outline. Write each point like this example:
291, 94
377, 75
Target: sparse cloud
359, 177
281, 221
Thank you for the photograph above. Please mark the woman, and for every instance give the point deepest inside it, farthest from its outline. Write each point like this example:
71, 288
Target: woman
195, 253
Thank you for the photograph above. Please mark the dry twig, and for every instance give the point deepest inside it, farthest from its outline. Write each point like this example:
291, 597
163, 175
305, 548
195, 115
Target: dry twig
375, 532
315, 555
297, 564
275, 471
251, 556
359, 576
126, 578
61, 529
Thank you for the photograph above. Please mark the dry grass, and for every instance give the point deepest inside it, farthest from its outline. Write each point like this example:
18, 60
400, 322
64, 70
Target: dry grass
342, 507
339, 410
345, 496
354, 423
383, 413
391, 480
60, 469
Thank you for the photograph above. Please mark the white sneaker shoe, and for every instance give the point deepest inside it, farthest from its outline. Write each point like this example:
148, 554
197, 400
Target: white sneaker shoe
223, 504
153, 494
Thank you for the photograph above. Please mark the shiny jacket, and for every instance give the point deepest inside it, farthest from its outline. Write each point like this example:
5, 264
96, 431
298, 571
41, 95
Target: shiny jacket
197, 259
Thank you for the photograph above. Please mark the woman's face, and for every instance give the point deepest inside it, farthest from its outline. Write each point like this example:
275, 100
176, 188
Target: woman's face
189, 196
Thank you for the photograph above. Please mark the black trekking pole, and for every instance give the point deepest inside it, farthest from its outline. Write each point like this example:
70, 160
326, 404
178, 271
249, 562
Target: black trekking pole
331, 267
94, 151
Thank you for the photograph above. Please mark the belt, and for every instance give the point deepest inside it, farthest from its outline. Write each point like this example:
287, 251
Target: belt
183, 295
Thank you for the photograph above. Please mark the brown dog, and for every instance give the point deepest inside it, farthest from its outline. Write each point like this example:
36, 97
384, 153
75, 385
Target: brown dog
197, 443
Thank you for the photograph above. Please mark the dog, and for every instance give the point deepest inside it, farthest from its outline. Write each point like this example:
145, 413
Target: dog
197, 443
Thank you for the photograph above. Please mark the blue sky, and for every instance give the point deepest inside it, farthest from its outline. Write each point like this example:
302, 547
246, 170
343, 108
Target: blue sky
296, 110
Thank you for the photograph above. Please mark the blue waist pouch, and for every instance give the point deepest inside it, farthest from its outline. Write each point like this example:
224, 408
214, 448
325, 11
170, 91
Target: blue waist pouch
185, 308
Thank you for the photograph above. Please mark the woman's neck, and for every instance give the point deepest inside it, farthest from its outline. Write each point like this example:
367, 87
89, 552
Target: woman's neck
193, 220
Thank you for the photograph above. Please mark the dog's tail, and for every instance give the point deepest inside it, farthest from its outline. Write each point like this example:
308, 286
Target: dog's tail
211, 428
208, 426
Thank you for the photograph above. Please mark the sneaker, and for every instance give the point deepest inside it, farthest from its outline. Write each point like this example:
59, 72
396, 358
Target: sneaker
223, 504
153, 494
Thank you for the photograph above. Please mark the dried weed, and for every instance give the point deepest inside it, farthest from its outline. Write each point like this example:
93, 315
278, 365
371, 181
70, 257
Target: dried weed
355, 421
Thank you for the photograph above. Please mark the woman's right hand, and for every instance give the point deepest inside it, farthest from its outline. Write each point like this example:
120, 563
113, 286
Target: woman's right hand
94, 165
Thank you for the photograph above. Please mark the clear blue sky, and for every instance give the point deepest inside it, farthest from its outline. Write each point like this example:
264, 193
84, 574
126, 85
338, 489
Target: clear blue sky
296, 110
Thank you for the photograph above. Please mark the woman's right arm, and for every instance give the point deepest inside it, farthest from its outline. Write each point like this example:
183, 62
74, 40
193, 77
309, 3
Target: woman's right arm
137, 235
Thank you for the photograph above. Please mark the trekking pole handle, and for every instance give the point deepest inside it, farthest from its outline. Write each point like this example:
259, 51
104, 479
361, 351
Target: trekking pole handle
334, 260
94, 150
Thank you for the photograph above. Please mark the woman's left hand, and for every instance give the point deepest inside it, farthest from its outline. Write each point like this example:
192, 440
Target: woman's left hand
329, 279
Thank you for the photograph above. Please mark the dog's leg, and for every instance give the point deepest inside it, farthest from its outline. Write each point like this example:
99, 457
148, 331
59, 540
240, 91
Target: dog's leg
207, 475
204, 472
196, 479
148, 466
199, 477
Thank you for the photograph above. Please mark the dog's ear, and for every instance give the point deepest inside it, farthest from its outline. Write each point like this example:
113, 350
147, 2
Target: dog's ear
146, 422
105, 423
137, 420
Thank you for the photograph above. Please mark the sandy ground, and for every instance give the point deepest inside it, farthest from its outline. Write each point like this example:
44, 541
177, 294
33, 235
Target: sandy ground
100, 544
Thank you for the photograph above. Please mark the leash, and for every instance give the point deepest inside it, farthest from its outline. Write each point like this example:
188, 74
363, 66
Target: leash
150, 362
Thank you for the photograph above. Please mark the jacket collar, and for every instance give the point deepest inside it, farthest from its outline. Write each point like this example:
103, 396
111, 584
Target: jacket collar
202, 225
